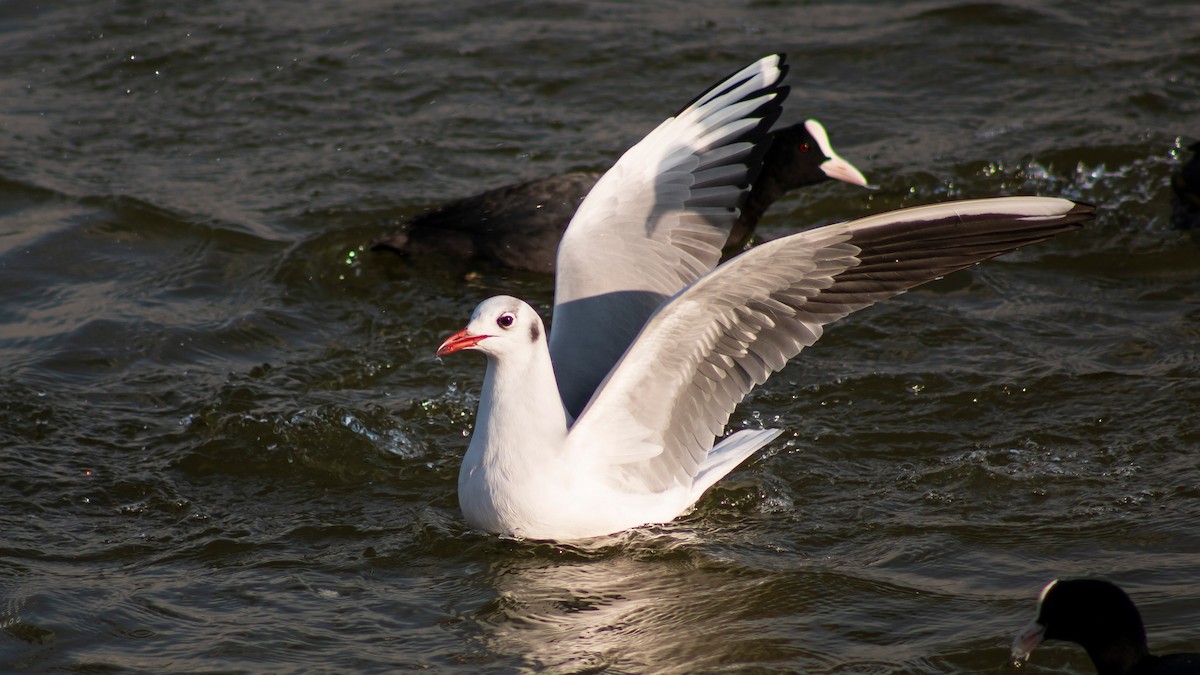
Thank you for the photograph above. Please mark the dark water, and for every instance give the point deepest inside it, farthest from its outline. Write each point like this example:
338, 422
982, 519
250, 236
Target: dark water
225, 444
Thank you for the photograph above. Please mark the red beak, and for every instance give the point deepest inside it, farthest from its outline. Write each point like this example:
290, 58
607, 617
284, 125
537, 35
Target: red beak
460, 341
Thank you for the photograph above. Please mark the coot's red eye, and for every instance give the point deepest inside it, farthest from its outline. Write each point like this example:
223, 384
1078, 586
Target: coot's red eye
803, 147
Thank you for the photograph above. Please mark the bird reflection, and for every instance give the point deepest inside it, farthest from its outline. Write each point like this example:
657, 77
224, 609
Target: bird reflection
633, 608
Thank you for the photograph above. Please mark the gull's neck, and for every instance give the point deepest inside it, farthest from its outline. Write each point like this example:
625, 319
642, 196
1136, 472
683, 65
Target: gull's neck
520, 397
520, 434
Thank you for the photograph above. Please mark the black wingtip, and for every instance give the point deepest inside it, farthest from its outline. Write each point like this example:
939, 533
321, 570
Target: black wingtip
1082, 207
767, 114
781, 91
1080, 214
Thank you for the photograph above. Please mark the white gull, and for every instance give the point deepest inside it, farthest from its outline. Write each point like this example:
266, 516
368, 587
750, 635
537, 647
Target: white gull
611, 422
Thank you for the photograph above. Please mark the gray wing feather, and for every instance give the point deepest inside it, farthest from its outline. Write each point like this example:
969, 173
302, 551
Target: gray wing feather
702, 351
656, 222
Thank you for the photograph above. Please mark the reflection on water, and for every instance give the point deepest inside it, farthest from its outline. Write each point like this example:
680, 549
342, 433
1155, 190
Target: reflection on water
632, 610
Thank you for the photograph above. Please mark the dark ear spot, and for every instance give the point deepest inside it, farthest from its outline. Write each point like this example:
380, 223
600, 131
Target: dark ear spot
534, 331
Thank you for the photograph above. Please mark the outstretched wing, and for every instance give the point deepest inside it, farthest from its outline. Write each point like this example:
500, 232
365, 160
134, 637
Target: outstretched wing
655, 222
701, 353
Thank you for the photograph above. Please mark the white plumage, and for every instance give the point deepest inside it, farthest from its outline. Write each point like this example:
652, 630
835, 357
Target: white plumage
611, 422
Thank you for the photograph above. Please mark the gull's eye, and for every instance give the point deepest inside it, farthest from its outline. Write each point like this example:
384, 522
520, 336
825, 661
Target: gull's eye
804, 147
505, 321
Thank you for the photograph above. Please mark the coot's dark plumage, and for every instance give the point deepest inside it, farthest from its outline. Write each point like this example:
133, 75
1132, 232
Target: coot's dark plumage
1186, 184
1101, 618
519, 226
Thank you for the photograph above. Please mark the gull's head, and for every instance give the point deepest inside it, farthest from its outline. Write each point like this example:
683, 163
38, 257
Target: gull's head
499, 325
